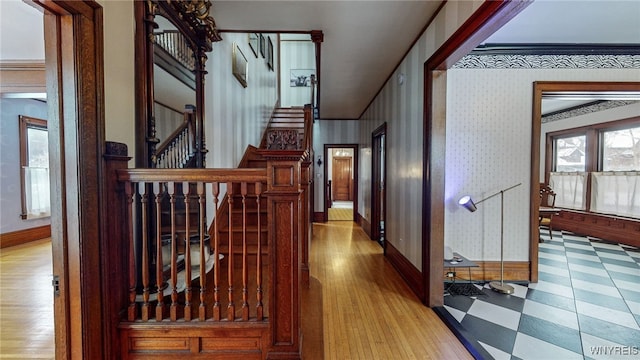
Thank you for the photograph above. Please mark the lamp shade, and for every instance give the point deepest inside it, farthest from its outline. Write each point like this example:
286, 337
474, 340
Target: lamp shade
468, 203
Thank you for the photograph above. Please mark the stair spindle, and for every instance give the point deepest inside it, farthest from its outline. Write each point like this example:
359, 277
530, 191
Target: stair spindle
216, 254
202, 228
187, 255
131, 195
157, 193
173, 314
245, 303
142, 189
231, 308
259, 305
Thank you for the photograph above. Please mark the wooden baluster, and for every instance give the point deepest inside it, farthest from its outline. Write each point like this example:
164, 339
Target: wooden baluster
129, 191
259, 305
157, 193
142, 190
245, 293
187, 255
202, 226
174, 266
231, 308
216, 254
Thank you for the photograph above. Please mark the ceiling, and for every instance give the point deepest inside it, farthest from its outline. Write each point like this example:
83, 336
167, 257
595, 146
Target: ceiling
364, 40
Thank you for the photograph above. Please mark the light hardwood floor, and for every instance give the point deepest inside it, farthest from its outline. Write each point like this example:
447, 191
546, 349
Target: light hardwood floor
368, 310
26, 301
357, 307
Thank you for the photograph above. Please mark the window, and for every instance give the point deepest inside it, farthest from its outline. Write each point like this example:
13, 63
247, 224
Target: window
34, 162
597, 168
569, 153
621, 150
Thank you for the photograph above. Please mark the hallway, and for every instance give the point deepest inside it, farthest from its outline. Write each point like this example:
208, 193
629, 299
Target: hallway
368, 310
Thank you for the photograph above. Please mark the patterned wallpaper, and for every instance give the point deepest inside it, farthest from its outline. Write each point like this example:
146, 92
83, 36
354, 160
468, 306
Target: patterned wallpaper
400, 106
237, 116
488, 148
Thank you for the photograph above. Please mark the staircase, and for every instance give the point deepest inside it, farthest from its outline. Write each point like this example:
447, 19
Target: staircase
284, 132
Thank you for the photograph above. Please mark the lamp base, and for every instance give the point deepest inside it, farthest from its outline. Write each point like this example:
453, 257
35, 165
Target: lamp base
501, 288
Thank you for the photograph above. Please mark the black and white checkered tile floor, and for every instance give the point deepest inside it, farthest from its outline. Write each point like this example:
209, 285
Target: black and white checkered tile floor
586, 305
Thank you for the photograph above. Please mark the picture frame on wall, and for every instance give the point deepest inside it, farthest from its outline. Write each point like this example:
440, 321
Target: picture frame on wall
301, 77
262, 46
239, 65
269, 53
254, 43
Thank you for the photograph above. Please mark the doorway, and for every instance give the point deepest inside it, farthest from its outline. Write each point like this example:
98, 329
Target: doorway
378, 182
341, 185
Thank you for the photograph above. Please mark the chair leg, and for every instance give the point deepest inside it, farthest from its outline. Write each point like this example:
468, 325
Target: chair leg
550, 233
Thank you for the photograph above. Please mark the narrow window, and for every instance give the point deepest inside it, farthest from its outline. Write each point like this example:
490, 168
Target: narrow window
34, 163
569, 153
621, 149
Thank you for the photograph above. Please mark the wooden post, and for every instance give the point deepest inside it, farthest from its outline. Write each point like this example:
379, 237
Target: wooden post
284, 211
114, 244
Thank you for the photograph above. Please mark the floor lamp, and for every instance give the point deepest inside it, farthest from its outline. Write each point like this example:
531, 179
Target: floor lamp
468, 203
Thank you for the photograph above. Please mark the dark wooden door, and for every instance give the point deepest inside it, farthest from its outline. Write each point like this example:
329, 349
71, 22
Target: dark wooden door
378, 177
341, 179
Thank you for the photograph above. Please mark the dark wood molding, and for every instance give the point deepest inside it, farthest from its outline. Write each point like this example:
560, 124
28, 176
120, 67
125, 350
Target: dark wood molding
489, 17
318, 216
609, 228
356, 176
556, 49
411, 275
541, 88
24, 236
365, 225
74, 53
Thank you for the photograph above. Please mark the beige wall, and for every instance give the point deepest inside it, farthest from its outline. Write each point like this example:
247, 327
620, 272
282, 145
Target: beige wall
119, 85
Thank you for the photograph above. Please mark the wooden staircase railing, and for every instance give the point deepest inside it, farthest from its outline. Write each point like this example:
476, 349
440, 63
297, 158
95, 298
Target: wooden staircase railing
229, 288
179, 149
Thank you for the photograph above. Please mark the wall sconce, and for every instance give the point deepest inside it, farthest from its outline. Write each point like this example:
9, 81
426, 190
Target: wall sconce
319, 162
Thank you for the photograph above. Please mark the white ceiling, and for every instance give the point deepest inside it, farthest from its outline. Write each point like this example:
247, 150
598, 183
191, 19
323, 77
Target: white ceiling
364, 40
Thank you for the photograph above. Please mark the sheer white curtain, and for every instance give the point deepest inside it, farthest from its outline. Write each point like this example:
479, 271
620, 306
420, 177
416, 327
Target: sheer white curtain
616, 193
570, 189
37, 192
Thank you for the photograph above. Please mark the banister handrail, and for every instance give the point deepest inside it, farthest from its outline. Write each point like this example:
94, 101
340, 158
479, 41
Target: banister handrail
171, 138
192, 175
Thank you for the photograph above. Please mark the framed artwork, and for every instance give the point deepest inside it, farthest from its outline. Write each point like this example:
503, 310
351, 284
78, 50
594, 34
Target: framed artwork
262, 46
239, 65
269, 53
301, 77
254, 42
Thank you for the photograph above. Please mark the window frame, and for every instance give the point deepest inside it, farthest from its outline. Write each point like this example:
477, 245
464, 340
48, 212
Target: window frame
593, 147
26, 123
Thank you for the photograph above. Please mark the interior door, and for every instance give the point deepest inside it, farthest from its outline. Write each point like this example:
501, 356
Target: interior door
341, 176
378, 179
